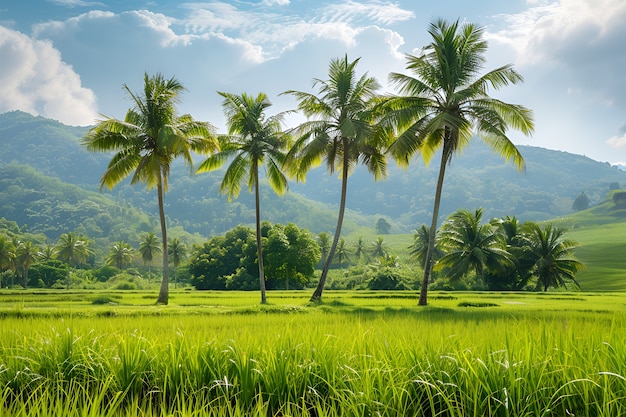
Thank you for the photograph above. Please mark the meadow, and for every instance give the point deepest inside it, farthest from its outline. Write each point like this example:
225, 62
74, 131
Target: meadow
356, 354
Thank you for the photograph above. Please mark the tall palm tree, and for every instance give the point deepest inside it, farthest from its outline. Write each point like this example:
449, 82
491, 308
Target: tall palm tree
552, 255
47, 253
470, 245
340, 130
148, 247
177, 254
120, 255
360, 248
446, 102
149, 138
25, 256
71, 249
253, 140
342, 251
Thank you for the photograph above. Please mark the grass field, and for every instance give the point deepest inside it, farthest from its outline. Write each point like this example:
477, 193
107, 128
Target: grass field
356, 354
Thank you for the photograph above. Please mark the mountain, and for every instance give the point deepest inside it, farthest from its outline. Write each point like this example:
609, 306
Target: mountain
547, 188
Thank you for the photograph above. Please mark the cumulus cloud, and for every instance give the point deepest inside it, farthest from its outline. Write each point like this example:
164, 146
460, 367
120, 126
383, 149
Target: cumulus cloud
583, 39
36, 80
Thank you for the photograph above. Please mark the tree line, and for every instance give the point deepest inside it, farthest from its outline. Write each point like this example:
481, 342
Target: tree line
441, 104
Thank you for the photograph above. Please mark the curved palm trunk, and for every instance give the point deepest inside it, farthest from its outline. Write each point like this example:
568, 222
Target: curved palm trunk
164, 291
317, 295
259, 249
445, 157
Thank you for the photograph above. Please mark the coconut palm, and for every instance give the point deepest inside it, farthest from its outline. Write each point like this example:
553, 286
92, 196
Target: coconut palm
148, 247
419, 248
7, 253
471, 246
552, 255
47, 253
378, 248
120, 255
25, 256
343, 253
71, 249
149, 138
340, 130
177, 254
360, 248
253, 140
446, 103
323, 239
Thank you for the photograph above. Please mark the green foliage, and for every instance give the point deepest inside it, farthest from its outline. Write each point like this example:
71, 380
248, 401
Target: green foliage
48, 273
581, 202
382, 226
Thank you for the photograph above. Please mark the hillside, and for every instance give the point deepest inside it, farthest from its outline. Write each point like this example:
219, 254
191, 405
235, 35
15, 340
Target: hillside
475, 179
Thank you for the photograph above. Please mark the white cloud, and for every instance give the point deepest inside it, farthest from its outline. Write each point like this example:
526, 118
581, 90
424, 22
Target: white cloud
35, 79
617, 141
275, 2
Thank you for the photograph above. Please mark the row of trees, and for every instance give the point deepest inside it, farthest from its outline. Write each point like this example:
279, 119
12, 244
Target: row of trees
19, 256
441, 105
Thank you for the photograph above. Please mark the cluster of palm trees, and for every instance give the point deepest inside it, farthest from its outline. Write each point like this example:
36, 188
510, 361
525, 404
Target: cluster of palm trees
122, 254
19, 256
503, 253
442, 104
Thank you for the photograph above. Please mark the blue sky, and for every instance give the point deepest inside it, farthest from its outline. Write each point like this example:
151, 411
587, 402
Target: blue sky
68, 59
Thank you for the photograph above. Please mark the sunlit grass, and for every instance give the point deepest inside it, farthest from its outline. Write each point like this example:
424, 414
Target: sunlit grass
356, 354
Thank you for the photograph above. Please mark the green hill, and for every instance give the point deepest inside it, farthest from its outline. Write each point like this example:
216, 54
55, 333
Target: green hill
601, 231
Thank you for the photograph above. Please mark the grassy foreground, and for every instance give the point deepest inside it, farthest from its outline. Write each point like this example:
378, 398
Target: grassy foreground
358, 354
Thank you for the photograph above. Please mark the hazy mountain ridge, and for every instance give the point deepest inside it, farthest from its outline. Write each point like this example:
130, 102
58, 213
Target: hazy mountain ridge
475, 179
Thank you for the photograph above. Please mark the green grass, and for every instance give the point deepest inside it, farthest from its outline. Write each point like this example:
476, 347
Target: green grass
356, 354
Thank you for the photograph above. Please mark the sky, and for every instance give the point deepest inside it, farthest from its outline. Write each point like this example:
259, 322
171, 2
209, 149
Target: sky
68, 60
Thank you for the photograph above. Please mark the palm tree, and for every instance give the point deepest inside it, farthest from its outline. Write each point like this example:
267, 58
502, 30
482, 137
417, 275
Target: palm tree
254, 140
149, 138
177, 253
470, 245
360, 249
148, 247
447, 102
46, 254
7, 253
552, 255
120, 255
71, 249
419, 249
342, 251
378, 248
25, 256
323, 239
340, 129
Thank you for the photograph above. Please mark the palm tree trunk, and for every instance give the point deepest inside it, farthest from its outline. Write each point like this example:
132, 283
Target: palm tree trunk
164, 291
445, 157
317, 295
259, 250
69, 262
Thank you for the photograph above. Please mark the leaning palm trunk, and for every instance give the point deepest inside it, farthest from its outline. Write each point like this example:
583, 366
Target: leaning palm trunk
445, 158
258, 235
317, 295
164, 291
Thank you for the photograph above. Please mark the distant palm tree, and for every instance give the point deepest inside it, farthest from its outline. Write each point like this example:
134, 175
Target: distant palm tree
120, 255
471, 246
447, 103
177, 253
25, 256
7, 253
47, 253
71, 249
552, 255
148, 247
378, 248
254, 140
360, 248
419, 248
340, 129
149, 138
342, 251
323, 239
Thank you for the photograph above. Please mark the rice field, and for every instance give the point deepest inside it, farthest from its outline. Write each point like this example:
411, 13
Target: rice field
357, 354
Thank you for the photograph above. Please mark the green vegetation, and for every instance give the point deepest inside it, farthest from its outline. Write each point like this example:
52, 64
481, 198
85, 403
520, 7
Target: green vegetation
363, 353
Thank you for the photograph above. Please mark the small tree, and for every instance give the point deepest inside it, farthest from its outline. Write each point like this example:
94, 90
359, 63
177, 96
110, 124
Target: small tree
382, 226
581, 202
